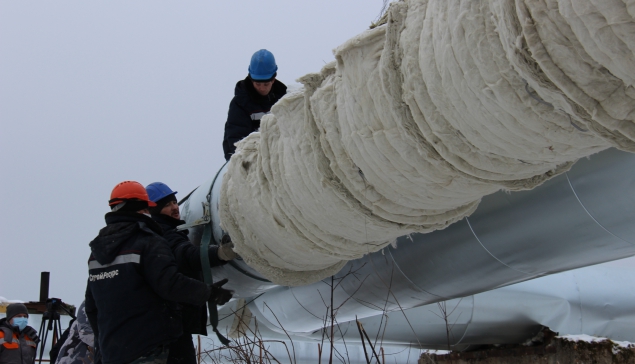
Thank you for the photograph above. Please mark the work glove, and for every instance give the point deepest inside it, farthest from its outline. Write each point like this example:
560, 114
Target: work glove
225, 252
220, 295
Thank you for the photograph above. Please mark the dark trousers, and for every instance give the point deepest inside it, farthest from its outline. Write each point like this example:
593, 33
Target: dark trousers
182, 351
158, 355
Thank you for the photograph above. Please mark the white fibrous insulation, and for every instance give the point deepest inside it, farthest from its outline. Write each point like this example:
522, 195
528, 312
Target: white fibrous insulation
419, 118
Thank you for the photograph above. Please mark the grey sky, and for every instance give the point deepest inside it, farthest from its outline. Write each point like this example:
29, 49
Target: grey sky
93, 93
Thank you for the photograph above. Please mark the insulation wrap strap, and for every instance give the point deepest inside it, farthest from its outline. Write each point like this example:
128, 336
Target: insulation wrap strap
207, 276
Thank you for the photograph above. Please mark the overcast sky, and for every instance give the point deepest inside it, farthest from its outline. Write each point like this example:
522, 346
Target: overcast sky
96, 92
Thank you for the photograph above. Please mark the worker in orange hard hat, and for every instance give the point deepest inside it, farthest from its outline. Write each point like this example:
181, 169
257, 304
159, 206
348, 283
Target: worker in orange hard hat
130, 196
134, 284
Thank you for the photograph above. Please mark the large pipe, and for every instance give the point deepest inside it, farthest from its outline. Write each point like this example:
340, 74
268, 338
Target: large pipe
574, 220
594, 301
419, 119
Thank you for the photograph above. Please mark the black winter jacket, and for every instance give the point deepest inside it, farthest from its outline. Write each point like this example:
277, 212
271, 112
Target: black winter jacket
188, 260
245, 111
132, 288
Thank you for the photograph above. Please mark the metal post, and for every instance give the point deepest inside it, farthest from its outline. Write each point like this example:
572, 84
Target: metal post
44, 286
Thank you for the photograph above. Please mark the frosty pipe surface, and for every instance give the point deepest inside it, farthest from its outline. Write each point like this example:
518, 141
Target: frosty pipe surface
581, 218
416, 121
200, 209
594, 301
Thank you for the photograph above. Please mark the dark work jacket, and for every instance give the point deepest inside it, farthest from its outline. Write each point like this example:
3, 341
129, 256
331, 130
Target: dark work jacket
133, 286
245, 111
17, 347
188, 260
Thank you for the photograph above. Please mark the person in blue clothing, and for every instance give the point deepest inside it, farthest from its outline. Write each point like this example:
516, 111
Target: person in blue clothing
134, 286
253, 98
188, 260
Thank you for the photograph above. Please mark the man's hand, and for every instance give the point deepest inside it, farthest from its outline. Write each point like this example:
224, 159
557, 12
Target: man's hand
220, 295
226, 252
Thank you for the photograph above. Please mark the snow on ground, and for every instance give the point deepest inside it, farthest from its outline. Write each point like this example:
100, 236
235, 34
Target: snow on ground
617, 345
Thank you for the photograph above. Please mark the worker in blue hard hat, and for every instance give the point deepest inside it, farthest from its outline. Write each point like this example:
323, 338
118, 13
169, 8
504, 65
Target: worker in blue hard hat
188, 259
253, 98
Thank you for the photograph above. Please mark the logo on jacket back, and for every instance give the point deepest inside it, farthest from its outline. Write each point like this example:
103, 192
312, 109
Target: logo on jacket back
103, 275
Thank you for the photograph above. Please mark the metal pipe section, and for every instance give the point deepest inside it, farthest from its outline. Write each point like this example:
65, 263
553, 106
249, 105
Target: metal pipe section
200, 208
577, 219
596, 301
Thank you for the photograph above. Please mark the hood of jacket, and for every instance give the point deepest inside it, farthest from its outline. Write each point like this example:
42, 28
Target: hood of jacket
173, 236
166, 222
120, 226
4, 322
245, 93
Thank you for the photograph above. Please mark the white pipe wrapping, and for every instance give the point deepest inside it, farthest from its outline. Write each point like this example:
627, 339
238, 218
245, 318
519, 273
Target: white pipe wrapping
418, 119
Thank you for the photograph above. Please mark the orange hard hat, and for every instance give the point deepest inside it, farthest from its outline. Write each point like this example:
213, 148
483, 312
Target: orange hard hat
129, 190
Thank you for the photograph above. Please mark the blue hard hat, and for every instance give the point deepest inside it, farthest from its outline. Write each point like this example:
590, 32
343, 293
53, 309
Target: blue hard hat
158, 190
262, 66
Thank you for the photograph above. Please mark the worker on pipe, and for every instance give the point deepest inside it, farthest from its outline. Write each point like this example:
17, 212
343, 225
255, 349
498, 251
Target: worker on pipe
253, 98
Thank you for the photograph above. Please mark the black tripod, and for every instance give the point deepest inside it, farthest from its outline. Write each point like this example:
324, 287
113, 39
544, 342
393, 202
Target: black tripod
53, 305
